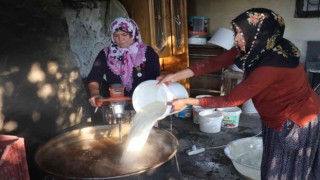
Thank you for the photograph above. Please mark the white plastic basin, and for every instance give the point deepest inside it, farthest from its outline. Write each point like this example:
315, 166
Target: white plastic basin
246, 155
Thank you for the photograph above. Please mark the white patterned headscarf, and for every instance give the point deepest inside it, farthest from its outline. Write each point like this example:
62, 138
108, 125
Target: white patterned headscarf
121, 61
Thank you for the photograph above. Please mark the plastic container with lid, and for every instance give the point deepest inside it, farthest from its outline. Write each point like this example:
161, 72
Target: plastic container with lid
185, 113
231, 116
198, 25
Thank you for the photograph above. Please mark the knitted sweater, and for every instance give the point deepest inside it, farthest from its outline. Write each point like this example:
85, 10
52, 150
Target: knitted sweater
278, 94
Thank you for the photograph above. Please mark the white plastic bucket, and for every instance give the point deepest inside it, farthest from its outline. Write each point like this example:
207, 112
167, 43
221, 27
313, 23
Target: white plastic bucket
231, 116
210, 121
248, 107
197, 109
149, 92
195, 112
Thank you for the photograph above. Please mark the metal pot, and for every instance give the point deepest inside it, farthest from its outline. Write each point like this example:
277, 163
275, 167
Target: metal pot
94, 153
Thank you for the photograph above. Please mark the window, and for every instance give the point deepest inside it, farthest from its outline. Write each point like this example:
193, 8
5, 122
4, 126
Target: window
307, 8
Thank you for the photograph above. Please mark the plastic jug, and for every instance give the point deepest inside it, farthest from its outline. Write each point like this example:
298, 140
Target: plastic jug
149, 92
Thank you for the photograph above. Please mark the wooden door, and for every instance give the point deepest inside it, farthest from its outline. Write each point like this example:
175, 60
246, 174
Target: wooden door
160, 27
163, 26
179, 26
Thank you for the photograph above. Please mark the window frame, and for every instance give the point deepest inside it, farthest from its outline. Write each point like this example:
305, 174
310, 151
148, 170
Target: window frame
301, 13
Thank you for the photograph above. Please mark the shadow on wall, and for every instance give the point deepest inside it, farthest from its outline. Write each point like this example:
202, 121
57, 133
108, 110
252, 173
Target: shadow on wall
41, 90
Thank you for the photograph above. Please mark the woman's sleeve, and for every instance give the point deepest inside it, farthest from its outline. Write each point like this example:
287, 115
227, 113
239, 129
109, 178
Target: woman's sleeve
248, 88
98, 69
152, 68
215, 63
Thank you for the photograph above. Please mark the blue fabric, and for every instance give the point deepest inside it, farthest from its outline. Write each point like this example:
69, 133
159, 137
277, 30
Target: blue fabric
292, 153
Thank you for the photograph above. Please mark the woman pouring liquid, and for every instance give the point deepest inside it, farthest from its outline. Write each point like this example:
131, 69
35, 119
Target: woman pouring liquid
278, 85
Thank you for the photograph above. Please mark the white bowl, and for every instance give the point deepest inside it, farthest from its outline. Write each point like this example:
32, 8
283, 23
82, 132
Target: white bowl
246, 155
223, 37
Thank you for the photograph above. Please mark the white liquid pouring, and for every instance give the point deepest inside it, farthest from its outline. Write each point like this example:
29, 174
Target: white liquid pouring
142, 124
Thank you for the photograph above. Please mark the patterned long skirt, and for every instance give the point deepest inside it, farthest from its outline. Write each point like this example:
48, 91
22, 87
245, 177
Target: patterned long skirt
292, 153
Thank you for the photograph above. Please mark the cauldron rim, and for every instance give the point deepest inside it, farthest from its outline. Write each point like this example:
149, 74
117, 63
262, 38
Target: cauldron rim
55, 138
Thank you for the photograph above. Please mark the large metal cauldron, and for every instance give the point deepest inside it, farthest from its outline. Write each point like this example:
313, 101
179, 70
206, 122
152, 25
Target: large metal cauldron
94, 153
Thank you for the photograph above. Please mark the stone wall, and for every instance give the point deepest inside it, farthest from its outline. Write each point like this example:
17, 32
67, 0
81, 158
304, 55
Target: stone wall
87, 31
41, 88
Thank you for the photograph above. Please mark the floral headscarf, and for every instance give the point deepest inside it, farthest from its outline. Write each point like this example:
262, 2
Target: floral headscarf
265, 46
121, 61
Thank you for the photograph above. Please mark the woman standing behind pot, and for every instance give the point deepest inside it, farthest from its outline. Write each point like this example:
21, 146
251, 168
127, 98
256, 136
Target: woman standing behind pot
279, 88
127, 61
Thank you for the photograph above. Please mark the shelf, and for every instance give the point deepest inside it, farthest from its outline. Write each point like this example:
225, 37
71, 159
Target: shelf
210, 83
206, 90
204, 50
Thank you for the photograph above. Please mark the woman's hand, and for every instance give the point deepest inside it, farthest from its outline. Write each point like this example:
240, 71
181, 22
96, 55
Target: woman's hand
93, 101
180, 75
180, 104
165, 79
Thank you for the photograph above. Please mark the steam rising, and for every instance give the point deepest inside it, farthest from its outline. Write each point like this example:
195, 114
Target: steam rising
94, 152
98, 153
